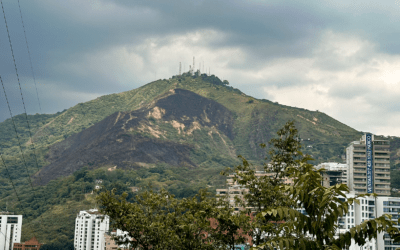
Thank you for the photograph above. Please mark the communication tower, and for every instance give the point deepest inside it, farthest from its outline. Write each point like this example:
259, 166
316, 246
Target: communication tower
193, 66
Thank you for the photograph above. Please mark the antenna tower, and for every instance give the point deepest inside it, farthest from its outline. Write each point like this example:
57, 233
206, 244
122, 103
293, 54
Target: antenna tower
193, 66
180, 68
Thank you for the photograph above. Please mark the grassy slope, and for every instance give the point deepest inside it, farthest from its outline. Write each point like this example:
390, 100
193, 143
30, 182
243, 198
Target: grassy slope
256, 121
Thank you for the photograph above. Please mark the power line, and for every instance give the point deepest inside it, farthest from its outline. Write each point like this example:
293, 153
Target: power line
16, 133
9, 108
22, 97
12, 183
29, 54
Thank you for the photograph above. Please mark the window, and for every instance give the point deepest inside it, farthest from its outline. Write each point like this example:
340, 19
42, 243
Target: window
12, 219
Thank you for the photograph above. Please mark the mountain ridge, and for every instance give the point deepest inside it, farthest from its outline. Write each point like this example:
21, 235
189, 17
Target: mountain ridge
199, 149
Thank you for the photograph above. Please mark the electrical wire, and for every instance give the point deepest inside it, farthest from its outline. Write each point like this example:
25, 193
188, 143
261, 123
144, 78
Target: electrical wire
29, 54
9, 108
19, 141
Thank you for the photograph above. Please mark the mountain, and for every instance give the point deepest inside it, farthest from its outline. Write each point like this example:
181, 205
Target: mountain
176, 133
134, 139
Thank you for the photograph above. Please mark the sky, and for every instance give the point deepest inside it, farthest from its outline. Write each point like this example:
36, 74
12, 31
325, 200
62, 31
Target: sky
339, 57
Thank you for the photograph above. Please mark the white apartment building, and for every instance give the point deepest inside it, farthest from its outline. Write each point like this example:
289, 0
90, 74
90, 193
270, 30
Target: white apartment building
336, 167
369, 208
388, 205
90, 227
10, 230
369, 165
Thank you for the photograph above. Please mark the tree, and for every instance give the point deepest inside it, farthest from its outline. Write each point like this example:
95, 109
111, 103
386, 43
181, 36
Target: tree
229, 227
265, 191
323, 206
159, 221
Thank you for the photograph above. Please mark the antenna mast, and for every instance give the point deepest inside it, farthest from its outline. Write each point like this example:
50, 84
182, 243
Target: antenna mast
180, 68
193, 66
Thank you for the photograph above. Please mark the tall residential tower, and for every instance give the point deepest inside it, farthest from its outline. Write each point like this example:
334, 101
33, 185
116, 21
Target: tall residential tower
90, 227
369, 165
10, 230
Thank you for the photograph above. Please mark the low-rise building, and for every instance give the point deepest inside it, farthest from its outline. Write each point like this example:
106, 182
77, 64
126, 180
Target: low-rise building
334, 173
32, 244
235, 191
110, 242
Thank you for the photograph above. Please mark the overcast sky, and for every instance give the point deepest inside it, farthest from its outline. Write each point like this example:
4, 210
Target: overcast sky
338, 57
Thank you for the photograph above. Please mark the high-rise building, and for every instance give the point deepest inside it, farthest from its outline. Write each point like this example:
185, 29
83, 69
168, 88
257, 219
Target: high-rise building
370, 208
90, 227
369, 165
10, 230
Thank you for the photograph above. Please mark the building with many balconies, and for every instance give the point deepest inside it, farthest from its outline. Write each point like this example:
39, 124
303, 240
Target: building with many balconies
369, 165
90, 227
10, 230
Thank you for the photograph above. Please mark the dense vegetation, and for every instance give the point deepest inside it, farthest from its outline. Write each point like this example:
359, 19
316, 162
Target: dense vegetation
255, 122
157, 220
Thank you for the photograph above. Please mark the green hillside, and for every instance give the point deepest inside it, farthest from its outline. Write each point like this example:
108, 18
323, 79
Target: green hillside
254, 121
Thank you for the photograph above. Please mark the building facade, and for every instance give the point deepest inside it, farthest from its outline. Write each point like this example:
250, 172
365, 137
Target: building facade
10, 230
369, 165
110, 243
370, 208
235, 191
334, 173
32, 244
90, 227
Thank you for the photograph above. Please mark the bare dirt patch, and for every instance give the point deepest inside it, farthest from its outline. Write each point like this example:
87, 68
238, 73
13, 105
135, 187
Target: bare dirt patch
157, 112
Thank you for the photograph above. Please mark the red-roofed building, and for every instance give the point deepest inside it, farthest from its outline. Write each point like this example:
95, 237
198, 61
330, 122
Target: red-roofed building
32, 244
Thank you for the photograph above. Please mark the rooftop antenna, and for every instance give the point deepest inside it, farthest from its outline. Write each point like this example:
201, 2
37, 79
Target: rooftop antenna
193, 65
180, 68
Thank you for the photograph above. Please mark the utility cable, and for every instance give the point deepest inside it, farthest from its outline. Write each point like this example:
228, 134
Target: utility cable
19, 142
8, 103
29, 54
22, 97
12, 183
23, 102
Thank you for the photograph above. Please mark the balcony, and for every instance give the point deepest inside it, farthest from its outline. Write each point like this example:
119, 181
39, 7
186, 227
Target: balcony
358, 149
382, 181
382, 170
359, 159
382, 160
360, 170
